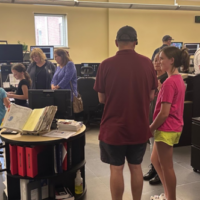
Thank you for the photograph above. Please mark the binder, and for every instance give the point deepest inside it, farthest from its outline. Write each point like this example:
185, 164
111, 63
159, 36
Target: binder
34, 190
32, 160
39, 160
69, 155
64, 164
23, 189
21, 161
45, 188
59, 157
13, 159
55, 160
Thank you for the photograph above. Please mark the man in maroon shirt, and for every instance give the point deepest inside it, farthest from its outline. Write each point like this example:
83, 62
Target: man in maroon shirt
125, 84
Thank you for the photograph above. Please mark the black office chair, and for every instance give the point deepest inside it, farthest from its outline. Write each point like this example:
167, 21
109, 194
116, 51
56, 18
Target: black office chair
92, 107
89, 96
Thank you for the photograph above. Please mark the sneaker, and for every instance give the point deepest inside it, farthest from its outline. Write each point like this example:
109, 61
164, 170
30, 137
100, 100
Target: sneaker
150, 174
155, 180
155, 197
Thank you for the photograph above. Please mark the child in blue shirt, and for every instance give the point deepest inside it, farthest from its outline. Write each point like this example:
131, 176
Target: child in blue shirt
4, 102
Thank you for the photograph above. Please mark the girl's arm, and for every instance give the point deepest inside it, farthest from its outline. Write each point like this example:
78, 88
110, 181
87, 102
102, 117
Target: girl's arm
6, 102
22, 97
161, 117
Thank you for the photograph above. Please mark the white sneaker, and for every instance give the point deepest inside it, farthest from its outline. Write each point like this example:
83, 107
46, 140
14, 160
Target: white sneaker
155, 197
162, 197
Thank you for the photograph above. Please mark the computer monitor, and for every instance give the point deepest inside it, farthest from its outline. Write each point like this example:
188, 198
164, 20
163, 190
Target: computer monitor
11, 53
78, 70
48, 50
94, 67
61, 98
192, 47
177, 44
3, 42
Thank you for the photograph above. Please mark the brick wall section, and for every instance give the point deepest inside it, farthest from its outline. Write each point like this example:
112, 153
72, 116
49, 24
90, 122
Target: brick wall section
53, 28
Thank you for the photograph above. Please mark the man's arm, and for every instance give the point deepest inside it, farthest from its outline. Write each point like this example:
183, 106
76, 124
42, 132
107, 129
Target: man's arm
152, 95
198, 61
102, 98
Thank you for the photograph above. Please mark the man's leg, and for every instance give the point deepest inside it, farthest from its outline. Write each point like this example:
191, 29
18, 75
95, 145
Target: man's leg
136, 181
116, 182
114, 155
134, 156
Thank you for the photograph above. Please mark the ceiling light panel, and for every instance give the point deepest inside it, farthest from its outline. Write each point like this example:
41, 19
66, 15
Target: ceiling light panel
5, 1
154, 6
103, 4
197, 8
47, 2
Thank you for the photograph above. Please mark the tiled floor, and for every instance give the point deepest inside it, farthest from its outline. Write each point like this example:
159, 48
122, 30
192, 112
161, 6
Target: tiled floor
97, 174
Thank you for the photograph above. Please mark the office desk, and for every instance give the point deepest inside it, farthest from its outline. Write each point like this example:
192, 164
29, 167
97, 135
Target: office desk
185, 139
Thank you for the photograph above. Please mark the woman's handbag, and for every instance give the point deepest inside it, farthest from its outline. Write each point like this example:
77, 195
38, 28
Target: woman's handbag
77, 101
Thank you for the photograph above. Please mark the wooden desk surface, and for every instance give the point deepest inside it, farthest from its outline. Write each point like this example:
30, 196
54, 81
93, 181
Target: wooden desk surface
34, 138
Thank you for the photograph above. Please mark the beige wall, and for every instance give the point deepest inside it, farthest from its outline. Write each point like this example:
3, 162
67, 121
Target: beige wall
87, 28
92, 31
152, 25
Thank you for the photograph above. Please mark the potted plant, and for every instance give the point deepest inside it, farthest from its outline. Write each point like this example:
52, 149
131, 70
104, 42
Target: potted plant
25, 47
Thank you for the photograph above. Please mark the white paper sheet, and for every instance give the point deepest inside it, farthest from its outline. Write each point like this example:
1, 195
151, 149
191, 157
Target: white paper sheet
16, 117
34, 194
59, 134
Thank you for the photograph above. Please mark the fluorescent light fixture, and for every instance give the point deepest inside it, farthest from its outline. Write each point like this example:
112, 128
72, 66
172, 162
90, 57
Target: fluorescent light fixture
154, 6
47, 2
197, 8
5, 1
103, 4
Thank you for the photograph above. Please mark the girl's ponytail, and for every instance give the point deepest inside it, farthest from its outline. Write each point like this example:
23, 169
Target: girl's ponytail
185, 59
28, 78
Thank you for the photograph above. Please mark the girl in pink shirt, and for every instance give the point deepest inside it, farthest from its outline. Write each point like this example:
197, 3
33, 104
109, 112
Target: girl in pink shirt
168, 118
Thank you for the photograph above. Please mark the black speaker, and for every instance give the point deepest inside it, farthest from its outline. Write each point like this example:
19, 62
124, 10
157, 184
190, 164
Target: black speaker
197, 19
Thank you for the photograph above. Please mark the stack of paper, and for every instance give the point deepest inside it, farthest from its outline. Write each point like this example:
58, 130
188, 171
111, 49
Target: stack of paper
69, 125
28, 121
63, 193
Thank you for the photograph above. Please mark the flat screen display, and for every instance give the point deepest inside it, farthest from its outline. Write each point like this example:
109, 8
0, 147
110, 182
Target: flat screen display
192, 47
61, 98
177, 44
11, 53
94, 67
48, 50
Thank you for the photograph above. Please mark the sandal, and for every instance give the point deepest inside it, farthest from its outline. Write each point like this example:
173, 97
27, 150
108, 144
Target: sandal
155, 197
162, 197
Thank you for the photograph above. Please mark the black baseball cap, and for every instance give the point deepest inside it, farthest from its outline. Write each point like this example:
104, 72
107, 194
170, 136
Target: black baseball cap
166, 38
126, 33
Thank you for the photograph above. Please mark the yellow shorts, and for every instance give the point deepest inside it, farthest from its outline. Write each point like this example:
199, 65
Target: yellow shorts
169, 138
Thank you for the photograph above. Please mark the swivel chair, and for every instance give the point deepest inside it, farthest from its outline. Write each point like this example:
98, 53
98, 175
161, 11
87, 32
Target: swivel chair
89, 96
